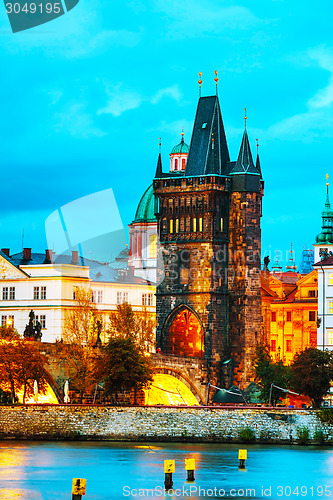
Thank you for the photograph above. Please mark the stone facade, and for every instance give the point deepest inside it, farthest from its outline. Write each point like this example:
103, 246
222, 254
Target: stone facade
209, 229
157, 424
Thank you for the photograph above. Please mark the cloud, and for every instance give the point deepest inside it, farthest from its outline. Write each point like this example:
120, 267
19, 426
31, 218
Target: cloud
202, 17
77, 122
121, 99
317, 119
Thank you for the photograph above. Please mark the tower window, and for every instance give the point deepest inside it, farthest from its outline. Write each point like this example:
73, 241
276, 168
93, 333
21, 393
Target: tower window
221, 225
177, 226
288, 346
171, 226
176, 164
200, 224
183, 163
194, 225
153, 246
273, 316
273, 345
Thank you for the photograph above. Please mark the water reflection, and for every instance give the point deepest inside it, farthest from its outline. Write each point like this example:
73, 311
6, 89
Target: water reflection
42, 470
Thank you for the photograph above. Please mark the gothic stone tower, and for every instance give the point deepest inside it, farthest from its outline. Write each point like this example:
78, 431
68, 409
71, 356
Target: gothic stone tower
208, 303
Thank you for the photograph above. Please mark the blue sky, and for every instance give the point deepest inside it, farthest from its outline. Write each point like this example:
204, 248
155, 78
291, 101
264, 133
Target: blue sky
85, 97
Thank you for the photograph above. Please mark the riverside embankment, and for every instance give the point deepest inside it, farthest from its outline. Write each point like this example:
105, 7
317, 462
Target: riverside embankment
182, 424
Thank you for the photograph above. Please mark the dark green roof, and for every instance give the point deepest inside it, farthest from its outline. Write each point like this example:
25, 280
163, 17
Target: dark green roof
181, 148
145, 210
326, 235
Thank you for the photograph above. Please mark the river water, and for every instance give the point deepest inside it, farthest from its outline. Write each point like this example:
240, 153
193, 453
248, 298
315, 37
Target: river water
44, 470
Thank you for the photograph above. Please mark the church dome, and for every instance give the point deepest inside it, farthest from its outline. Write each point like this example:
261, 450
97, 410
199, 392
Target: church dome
145, 210
181, 149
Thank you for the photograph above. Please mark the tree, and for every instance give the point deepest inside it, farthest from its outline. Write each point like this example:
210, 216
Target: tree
268, 373
312, 371
81, 334
139, 326
21, 364
124, 366
33, 331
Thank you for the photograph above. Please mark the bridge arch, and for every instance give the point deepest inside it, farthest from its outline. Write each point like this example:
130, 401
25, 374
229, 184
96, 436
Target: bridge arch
182, 333
180, 377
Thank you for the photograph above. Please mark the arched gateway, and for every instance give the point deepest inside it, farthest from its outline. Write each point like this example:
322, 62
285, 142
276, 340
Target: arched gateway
183, 334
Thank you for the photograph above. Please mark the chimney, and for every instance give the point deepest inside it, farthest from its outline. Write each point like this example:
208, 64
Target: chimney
48, 257
75, 257
5, 251
27, 253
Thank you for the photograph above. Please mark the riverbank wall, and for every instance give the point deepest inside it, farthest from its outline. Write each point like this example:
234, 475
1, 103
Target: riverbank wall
185, 424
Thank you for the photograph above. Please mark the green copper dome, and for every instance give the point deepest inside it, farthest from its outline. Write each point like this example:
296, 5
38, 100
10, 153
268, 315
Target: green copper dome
145, 210
181, 148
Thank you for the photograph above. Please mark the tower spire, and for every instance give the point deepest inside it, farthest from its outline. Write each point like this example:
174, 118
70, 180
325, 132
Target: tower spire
216, 80
200, 83
159, 161
245, 117
326, 235
258, 166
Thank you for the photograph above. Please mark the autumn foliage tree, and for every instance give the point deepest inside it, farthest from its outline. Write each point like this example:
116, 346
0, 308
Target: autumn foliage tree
76, 350
21, 363
125, 363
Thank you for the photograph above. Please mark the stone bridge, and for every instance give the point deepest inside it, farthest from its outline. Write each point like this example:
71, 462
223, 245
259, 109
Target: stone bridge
192, 372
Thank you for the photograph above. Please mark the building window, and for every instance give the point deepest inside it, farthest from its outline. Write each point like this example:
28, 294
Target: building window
43, 292
288, 346
329, 337
97, 296
194, 225
122, 297
288, 315
171, 226
7, 320
312, 293
42, 320
153, 246
147, 299
312, 315
221, 225
12, 293
183, 163
273, 345
330, 308
176, 164
177, 226
74, 292
200, 224
330, 279
36, 292
5, 293
273, 316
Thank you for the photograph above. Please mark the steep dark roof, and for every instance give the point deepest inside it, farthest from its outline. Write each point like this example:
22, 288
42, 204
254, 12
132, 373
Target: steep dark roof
206, 156
244, 163
258, 166
158, 173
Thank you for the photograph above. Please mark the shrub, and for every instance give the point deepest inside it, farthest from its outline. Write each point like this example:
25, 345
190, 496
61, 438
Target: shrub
319, 436
247, 435
303, 434
326, 415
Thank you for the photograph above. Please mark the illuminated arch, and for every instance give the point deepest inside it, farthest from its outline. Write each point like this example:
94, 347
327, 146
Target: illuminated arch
170, 387
183, 334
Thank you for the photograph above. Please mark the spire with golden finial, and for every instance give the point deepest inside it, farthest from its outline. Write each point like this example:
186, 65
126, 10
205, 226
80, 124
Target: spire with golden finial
216, 80
245, 117
200, 83
182, 134
212, 140
159, 161
160, 144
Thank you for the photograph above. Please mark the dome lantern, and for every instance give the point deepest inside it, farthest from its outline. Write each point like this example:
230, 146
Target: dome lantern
178, 156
